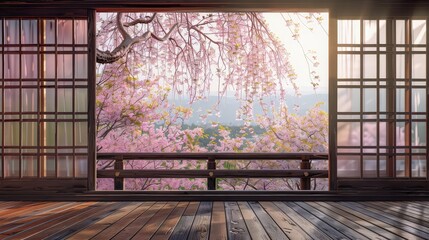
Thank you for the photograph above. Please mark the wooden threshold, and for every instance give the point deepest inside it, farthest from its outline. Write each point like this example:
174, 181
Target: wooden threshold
218, 196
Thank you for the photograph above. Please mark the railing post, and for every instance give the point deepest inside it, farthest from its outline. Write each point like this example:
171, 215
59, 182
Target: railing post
305, 182
119, 181
211, 182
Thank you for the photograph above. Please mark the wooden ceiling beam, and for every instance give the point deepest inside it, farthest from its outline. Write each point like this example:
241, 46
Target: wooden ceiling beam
350, 8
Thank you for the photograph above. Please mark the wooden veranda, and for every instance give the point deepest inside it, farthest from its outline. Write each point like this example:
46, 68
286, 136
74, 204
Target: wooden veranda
214, 220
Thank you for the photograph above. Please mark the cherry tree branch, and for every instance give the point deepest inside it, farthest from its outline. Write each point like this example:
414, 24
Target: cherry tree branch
128, 42
140, 21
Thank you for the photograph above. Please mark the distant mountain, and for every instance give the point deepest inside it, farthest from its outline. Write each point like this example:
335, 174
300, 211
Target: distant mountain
228, 107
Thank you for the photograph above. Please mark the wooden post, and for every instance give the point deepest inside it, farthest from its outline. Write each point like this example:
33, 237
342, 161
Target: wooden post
391, 100
119, 181
211, 182
305, 182
92, 98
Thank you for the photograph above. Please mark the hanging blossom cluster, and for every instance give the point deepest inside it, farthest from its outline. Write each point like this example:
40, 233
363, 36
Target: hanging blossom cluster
191, 54
226, 51
295, 23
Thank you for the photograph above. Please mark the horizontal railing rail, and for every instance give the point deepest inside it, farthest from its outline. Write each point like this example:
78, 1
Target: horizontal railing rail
305, 173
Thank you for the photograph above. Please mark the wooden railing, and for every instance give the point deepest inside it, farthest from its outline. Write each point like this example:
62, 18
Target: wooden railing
305, 173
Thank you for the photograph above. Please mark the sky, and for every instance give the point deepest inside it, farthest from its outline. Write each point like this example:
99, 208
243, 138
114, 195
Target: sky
316, 39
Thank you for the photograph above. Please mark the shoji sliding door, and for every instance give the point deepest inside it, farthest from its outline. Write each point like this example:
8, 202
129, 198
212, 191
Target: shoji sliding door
381, 111
44, 102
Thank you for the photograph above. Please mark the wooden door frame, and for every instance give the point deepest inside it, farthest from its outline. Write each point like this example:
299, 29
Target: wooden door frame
336, 8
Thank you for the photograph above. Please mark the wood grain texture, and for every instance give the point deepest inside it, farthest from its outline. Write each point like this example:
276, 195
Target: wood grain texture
118, 226
130, 230
269, 224
104, 223
351, 221
416, 209
236, 226
166, 228
70, 222
302, 221
85, 221
256, 230
398, 233
333, 221
31, 221
403, 224
289, 227
323, 226
399, 213
40, 224
214, 220
153, 224
184, 225
201, 226
218, 223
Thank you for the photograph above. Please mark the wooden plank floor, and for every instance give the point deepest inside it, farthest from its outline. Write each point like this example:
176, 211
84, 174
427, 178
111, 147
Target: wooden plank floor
214, 220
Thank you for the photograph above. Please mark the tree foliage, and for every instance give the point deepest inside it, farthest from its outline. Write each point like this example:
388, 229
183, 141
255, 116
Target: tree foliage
146, 58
